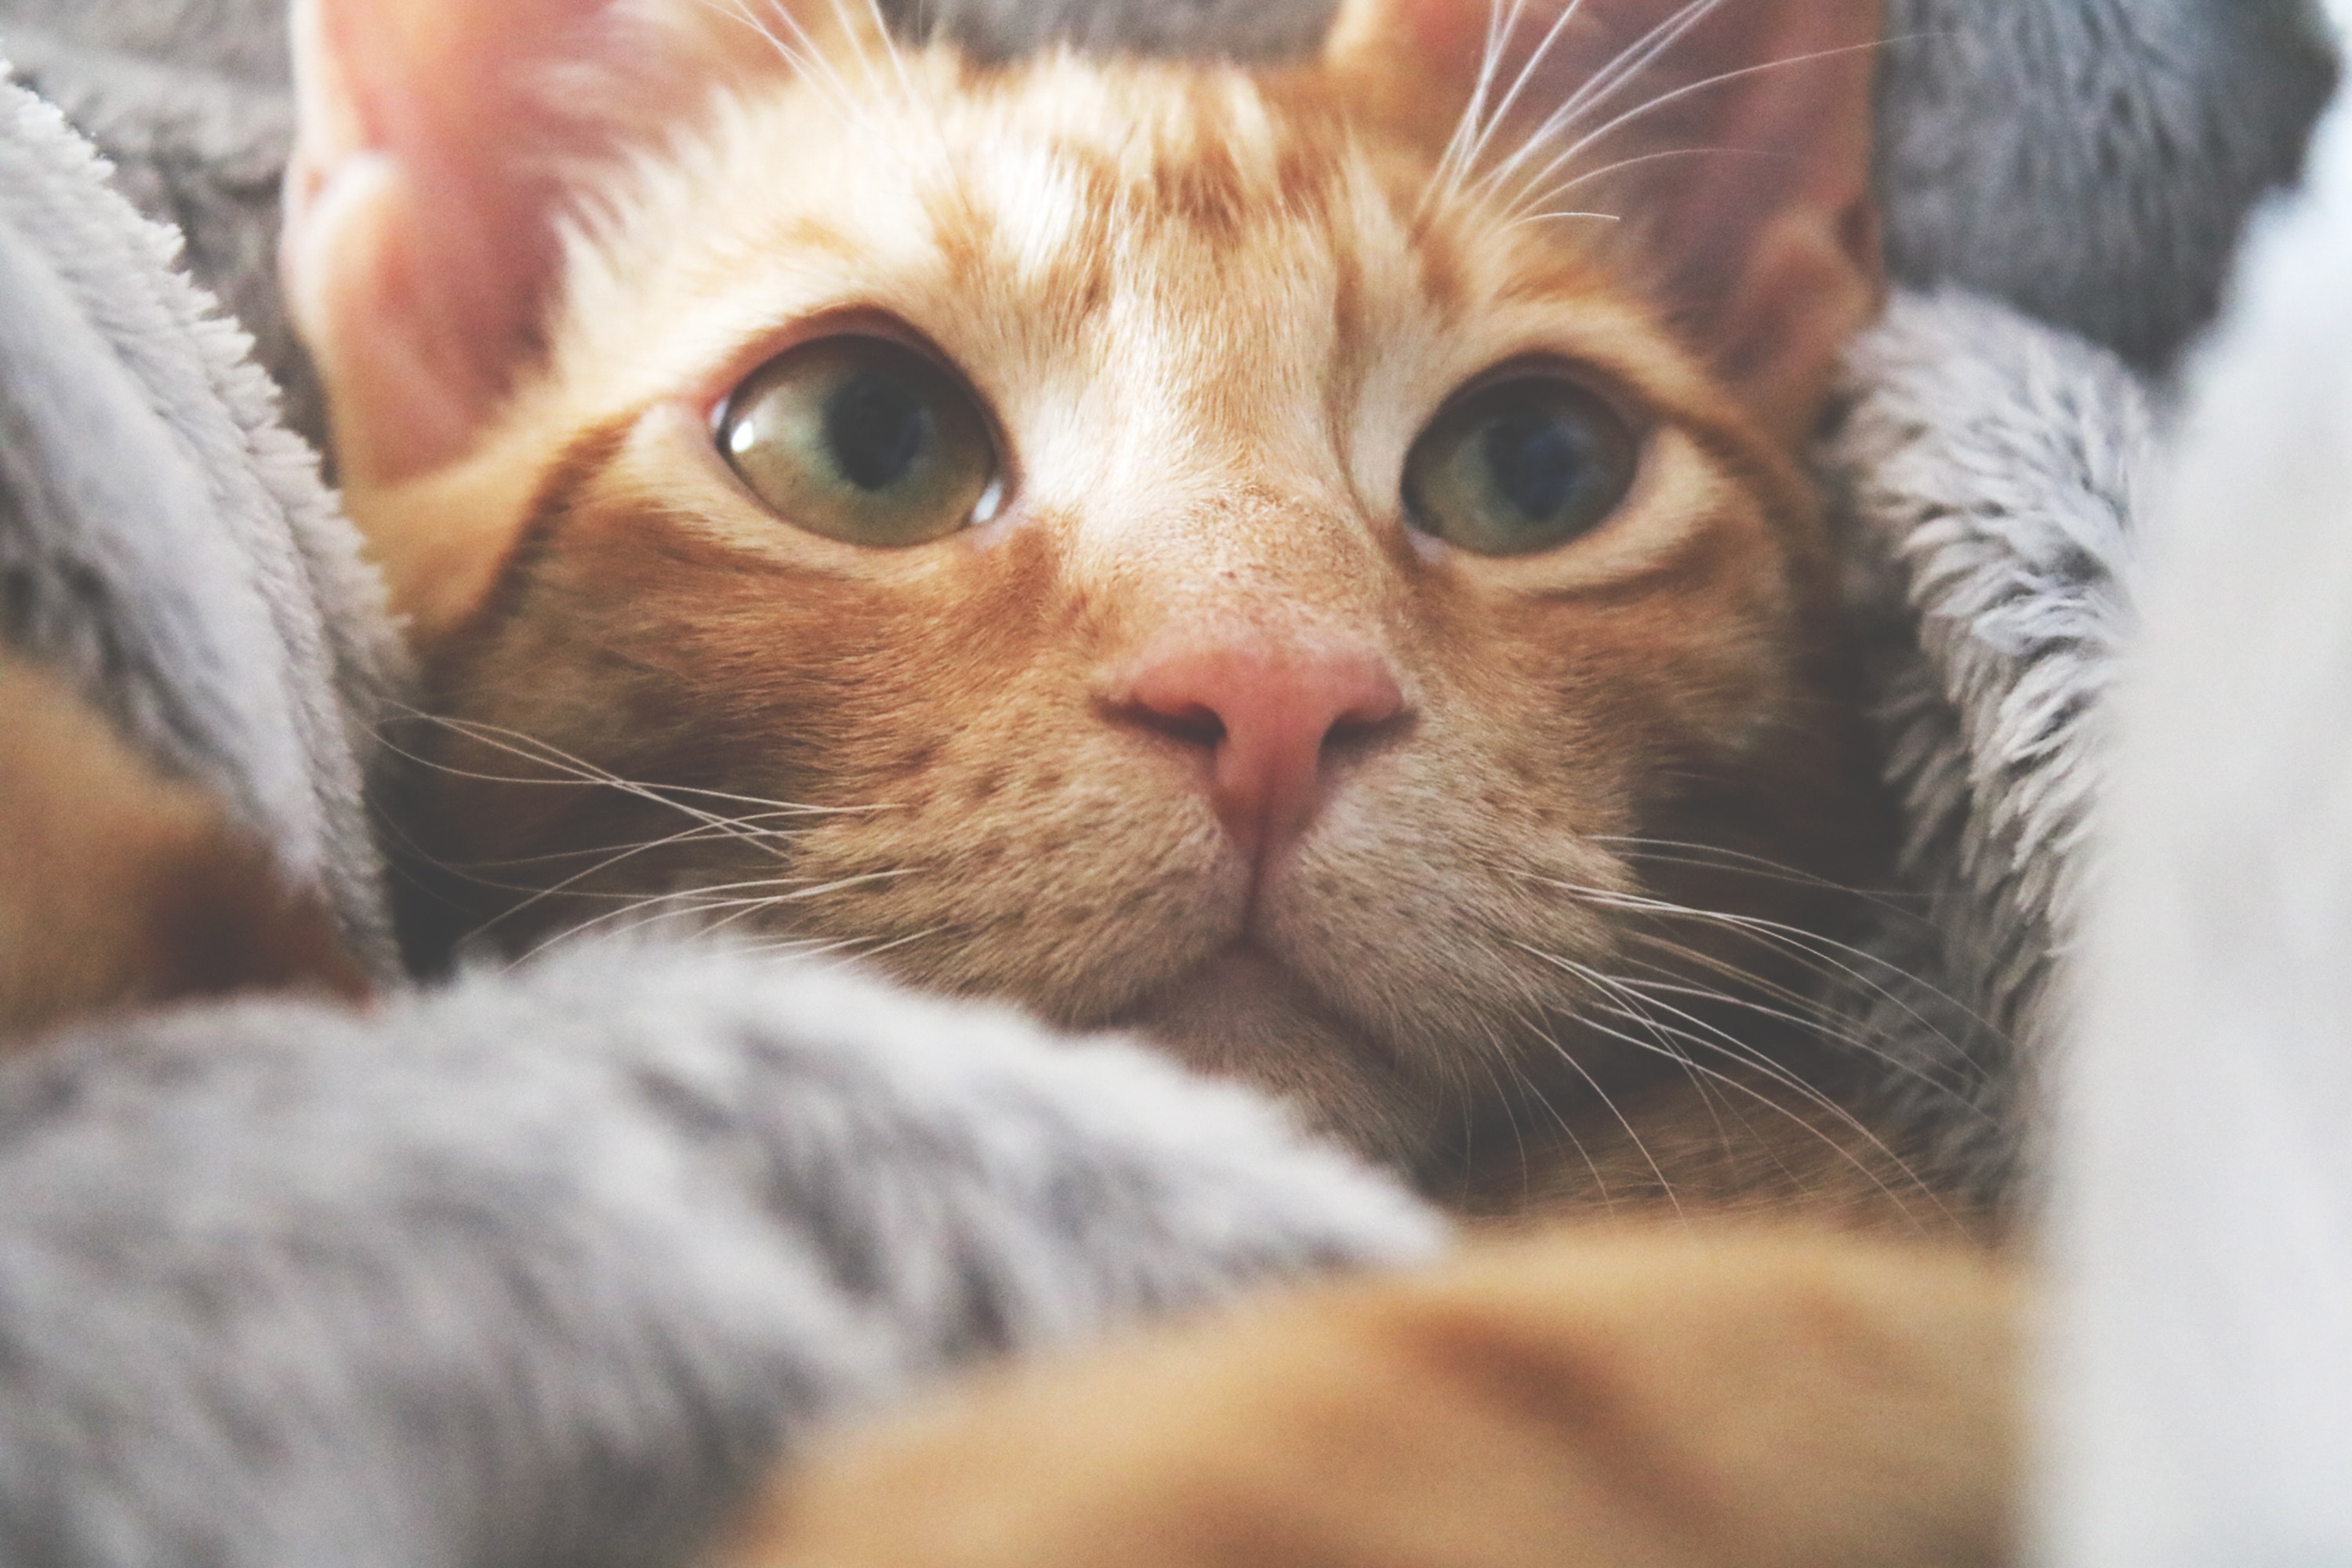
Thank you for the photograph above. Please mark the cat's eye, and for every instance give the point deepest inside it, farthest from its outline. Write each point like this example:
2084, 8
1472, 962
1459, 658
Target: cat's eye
1520, 465
864, 440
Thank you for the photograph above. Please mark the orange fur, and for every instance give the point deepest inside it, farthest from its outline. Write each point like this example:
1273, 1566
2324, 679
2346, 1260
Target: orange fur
1208, 311
120, 887
1602, 1399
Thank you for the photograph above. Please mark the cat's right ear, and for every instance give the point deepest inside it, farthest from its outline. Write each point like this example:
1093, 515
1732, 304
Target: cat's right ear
426, 190
1730, 138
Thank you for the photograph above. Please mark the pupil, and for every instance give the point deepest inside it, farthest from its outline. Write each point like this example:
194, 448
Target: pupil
1534, 462
877, 429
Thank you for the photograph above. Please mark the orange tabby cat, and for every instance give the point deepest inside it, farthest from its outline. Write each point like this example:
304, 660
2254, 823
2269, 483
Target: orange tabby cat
1309, 564
1241, 555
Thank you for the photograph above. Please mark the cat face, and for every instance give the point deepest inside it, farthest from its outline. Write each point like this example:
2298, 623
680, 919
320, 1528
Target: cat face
1173, 547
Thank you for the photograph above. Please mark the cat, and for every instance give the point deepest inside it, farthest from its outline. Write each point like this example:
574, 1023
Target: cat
1240, 555
1308, 564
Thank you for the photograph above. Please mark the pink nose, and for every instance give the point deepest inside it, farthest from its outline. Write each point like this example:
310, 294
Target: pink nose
1272, 716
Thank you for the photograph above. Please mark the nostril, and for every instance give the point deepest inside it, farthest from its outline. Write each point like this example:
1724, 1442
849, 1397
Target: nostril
1359, 732
1269, 720
1195, 723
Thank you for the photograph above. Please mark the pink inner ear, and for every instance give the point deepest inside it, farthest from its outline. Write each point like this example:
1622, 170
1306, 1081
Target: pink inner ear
1782, 89
1732, 137
1725, 119
426, 284
1432, 32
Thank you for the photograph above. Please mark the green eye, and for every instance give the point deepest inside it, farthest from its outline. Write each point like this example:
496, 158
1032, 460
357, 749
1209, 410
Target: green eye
862, 440
1519, 467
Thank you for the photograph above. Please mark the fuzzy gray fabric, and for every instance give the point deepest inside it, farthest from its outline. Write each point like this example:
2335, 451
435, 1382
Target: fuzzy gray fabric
2092, 161
1987, 472
189, 100
547, 1269
164, 540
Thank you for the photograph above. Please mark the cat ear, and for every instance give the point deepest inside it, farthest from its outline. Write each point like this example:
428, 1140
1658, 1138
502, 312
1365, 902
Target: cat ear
427, 184
1730, 137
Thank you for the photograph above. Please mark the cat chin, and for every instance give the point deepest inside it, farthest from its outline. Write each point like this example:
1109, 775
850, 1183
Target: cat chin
1243, 1016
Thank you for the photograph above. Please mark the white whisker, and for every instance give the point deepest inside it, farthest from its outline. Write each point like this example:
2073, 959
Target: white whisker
1812, 944
1573, 150
808, 63
1602, 85
1821, 1017
1472, 132
1568, 187
1817, 1025
1686, 852
1562, 217
1593, 1083
1697, 1035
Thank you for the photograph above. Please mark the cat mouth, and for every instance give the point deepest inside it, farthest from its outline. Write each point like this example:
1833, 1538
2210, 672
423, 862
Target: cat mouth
1240, 991
1244, 1014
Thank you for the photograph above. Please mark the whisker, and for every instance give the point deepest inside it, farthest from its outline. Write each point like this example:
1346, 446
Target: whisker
707, 822
1499, 1052
1787, 937
808, 64
1562, 217
569, 885
1823, 1020
1817, 1021
521, 743
1569, 154
908, 940
1499, 27
808, 60
1609, 1203
1568, 187
1509, 1102
1806, 1093
699, 903
698, 834
815, 948
1729, 1043
1601, 86
753, 831
891, 52
1498, 40
1639, 1146
1696, 1035
472, 872
848, 28
1502, 24
1684, 852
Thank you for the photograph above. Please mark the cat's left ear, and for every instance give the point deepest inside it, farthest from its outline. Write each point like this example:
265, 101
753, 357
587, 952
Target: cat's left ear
429, 179
1731, 138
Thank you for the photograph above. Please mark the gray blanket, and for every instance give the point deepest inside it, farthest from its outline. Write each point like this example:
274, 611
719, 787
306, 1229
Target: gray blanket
612, 1236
